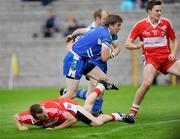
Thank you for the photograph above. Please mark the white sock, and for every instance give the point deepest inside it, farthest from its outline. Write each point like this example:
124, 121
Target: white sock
117, 116
100, 87
135, 106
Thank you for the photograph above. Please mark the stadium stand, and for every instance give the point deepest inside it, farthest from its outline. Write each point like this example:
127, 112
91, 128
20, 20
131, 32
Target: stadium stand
40, 60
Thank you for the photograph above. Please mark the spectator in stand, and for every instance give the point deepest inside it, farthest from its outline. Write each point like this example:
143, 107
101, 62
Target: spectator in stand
127, 5
51, 25
72, 24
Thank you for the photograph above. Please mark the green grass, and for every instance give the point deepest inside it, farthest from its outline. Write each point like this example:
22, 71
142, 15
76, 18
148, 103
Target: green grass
159, 115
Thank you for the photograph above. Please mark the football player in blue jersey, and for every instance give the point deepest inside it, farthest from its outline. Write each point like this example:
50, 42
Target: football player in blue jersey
100, 16
91, 48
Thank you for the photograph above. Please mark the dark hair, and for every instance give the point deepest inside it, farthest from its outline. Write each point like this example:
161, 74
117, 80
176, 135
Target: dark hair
112, 19
35, 109
152, 3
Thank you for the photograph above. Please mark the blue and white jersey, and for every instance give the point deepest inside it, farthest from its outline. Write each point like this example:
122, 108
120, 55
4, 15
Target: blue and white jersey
89, 46
93, 25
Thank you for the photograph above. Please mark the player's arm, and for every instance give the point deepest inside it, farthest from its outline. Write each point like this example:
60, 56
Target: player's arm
115, 49
105, 52
76, 33
69, 121
174, 50
129, 44
19, 124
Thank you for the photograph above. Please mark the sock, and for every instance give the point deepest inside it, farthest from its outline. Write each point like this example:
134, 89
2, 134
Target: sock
99, 89
134, 110
116, 117
97, 106
81, 93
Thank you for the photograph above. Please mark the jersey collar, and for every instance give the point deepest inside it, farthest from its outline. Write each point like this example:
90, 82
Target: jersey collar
154, 26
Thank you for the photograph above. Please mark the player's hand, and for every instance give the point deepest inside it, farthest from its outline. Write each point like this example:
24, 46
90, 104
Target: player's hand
23, 128
68, 38
172, 57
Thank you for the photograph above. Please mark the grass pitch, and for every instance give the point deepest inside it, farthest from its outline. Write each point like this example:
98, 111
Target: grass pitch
158, 118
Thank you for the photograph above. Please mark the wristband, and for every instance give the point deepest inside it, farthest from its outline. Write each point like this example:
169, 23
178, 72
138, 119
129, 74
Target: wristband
112, 55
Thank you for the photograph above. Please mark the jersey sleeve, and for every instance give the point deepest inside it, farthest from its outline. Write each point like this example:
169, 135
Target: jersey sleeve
115, 37
106, 40
134, 32
25, 117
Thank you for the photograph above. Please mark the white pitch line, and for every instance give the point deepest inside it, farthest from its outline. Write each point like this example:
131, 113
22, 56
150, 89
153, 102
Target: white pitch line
125, 127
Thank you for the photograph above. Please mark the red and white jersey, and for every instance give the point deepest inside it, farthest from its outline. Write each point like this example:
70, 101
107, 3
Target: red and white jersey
25, 117
155, 37
54, 112
68, 104
56, 109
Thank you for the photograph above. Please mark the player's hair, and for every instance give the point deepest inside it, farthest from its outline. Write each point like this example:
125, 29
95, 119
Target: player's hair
35, 109
152, 3
112, 19
98, 13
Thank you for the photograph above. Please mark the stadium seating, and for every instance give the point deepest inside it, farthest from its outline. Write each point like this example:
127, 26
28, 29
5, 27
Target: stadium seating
40, 60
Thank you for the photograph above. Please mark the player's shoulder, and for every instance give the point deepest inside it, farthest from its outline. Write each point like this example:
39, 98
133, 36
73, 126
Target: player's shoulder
165, 20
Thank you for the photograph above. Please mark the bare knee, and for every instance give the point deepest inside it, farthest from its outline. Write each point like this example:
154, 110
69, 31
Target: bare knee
87, 108
96, 123
146, 84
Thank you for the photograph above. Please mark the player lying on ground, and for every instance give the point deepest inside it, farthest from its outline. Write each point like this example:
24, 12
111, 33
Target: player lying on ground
62, 113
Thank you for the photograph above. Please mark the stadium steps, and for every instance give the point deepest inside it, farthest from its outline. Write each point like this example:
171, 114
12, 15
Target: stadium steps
40, 59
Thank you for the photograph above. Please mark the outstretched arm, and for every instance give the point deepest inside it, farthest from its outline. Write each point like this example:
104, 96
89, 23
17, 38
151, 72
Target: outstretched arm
19, 124
76, 33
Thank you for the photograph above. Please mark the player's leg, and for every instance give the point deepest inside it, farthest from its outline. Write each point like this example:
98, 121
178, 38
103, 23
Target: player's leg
71, 87
72, 69
149, 73
97, 74
82, 94
89, 119
175, 68
117, 116
97, 107
91, 98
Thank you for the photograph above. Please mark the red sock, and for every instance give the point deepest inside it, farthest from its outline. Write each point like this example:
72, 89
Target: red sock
97, 91
134, 110
113, 117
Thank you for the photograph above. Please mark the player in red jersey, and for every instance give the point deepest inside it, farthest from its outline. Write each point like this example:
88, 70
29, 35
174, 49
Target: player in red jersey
62, 113
155, 34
